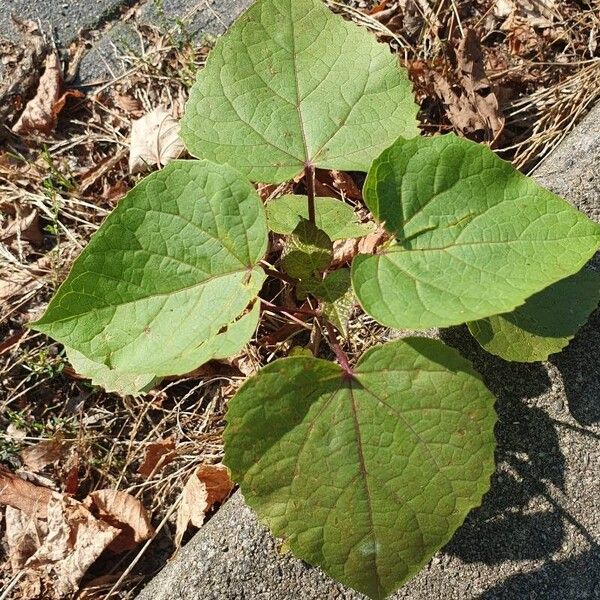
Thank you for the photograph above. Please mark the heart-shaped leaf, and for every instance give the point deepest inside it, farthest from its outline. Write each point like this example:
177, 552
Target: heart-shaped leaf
308, 251
171, 271
227, 343
367, 476
474, 237
336, 218
545, 324
291, 83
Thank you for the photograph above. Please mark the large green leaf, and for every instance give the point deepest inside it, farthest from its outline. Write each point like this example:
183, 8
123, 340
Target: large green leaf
474, 237
545, 324
292, 83
367, 477
336, 218
165, 282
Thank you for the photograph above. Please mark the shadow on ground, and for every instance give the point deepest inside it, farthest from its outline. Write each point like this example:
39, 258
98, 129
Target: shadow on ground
529, 459
572, 579
579, 365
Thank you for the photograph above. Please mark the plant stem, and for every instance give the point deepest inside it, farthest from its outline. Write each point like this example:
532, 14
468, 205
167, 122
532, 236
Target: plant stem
339, 353
309, 181
286, 309
277, 274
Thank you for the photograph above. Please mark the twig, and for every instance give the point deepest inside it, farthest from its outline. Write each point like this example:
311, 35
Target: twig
273, 273
309, 180
286, 309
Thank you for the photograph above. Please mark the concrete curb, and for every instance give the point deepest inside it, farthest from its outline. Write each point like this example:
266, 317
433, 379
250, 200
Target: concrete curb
537, 533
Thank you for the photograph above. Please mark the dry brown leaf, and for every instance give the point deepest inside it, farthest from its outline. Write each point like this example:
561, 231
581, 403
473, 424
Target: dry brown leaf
347, 185
244, 363
21, 73
15, 434
155, 141
75, 540
536, 13
24, 535
471, 103
62, 101
43, 453
208, 485
336, 183
16, 492
132, 106
26, 226
22, 281
345, 250
156, 456
123, 511
39, 115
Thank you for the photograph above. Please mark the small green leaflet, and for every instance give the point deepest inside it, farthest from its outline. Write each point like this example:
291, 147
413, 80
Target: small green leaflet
308, 251
164, 284
336, 218
292, 83
366, 478
336, 294
474, 237
545, 324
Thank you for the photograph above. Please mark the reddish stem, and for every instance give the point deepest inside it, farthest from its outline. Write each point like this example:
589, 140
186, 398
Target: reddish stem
339, 353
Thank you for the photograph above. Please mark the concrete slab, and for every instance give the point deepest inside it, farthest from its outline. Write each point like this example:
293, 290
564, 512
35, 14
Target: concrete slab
199, 19
64, 18
537, 533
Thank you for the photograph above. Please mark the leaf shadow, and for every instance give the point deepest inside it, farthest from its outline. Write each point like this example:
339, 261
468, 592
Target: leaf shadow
573, 578
579, 364
528, 459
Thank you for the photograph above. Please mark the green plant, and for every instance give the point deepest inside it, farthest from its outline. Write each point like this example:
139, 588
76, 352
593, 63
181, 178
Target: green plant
366, 469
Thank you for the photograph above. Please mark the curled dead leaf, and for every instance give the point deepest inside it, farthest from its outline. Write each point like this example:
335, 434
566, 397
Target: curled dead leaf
337, 183
24, 534
43, 453
16, 492
207, 486
25, 226
345, 250
155, 141
74, 541
40, 115
124, 512
469, 98
156, 456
